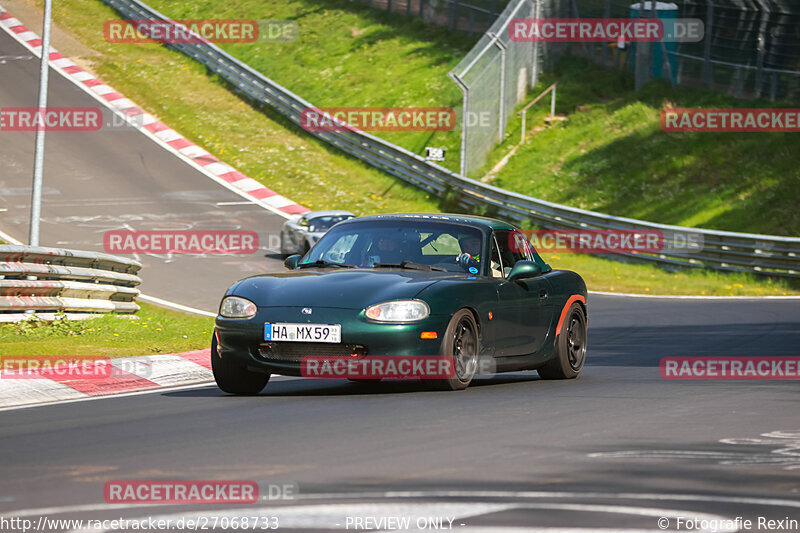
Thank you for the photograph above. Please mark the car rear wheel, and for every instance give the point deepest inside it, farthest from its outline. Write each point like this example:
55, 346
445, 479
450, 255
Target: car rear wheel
233, 378
462, 344
570, 347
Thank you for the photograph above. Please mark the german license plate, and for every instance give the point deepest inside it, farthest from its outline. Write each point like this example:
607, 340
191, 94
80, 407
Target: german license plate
303, 332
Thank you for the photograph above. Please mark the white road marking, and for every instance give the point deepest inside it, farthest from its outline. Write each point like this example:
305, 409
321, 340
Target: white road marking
108, 396
785, 454
173, 305
15, 392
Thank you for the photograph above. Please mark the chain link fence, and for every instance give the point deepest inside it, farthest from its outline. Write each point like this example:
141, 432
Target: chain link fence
751, 49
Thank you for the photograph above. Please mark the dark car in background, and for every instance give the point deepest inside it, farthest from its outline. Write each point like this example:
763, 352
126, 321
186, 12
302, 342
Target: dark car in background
300, 233
463, 287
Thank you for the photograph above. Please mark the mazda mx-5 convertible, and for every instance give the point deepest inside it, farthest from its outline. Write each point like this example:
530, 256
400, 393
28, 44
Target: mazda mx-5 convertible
434, 287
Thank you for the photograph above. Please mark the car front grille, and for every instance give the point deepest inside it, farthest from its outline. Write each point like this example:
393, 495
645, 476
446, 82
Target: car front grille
295, 351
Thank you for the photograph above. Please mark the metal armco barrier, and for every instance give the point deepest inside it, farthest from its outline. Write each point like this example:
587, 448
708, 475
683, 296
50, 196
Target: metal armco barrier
68, 281
721, 250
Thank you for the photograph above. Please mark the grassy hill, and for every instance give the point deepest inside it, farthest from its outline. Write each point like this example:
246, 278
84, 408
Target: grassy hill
612, 156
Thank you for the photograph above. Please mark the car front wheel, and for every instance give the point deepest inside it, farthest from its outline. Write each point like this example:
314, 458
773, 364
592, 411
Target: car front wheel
233, 378
460, 342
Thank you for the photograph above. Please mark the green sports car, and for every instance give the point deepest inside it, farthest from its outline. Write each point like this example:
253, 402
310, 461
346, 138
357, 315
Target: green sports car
379, 292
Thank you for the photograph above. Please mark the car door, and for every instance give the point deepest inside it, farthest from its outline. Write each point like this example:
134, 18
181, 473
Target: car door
523, 305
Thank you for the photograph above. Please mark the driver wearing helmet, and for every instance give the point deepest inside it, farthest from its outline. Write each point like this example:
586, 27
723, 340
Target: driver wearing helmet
384, 249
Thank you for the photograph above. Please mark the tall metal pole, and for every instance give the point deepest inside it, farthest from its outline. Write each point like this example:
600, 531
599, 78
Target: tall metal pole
38, 160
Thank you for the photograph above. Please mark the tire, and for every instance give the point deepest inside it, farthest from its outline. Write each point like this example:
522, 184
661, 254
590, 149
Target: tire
460, 342
570, 347
233, 378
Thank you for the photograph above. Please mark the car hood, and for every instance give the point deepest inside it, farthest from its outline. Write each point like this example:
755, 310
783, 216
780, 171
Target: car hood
342, 288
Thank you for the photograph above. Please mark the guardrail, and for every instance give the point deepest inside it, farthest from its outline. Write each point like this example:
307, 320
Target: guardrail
721, 250
70, 281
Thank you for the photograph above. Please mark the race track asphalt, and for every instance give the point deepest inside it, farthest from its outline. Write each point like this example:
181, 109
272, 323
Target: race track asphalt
617, 448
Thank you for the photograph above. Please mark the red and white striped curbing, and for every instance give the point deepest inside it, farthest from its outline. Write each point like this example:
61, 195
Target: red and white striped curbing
151, 126
148, 372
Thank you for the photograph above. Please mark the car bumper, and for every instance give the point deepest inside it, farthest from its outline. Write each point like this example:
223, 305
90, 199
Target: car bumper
242, 340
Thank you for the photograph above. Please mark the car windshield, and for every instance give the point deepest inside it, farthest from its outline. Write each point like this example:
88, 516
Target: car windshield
379, 243
326, 222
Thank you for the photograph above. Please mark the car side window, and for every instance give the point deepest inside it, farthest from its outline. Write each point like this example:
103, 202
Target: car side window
340, 249
508, 250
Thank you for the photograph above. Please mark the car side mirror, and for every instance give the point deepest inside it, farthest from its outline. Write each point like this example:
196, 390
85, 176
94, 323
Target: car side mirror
524, 269
291, 261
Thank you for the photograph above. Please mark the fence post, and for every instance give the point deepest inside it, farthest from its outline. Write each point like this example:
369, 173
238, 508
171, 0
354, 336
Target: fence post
535, 62
422, 9
707, 73
642, 65
389, 5
464, 129
453, 14
604, 46
553, 103
761, 50
501, 130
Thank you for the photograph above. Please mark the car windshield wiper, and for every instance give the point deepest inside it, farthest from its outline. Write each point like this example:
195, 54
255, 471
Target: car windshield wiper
409, 265
323, 263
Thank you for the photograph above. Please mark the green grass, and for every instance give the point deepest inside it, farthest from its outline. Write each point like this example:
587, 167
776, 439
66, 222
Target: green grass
612, 156
348, 55
153, 330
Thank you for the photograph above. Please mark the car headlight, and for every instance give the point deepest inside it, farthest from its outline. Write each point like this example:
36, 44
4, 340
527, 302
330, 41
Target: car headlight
237, 307
398, 311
